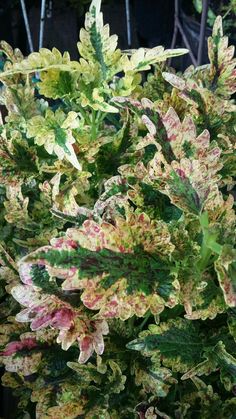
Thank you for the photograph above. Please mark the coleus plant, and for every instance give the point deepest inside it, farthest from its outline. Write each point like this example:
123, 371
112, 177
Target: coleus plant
118, 258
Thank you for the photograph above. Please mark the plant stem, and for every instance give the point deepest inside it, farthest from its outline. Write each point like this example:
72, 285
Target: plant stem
227, 12
84, 114
98, 116
131, 324
146, 318
103, 116
93, 125
206, 255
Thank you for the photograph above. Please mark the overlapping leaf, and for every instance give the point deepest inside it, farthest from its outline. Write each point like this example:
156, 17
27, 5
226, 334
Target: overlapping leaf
54, 132
181, 345
48, 310
157, 244
177, 342
123, 269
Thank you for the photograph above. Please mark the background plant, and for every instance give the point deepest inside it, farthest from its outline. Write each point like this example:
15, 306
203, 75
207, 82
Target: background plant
227, 9
118, 231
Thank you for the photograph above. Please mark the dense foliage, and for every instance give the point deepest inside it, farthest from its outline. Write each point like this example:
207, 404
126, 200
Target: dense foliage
118, 258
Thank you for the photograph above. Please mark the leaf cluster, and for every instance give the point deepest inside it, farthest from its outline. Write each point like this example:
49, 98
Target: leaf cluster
118, 257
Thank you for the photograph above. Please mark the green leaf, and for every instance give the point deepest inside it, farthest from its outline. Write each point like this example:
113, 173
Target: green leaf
222, 61
177, 343
227, 364
42, 61
183, 190
96, 40
225, 267
154, 379
57, 84
106, 260
232, 322
217, 357
54, 132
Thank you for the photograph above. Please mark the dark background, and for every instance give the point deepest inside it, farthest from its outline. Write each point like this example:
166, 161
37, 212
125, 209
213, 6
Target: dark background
151, 22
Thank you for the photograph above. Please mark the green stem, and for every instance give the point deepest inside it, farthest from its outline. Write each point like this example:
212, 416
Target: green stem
145, 320
131, 324
206, 251
227, 12
103, 116
206, 255
98, 116
84, 114
93, 125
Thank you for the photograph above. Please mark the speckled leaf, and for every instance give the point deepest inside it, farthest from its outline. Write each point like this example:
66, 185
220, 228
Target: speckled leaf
226, 271
217, 357
223, 63
177, 342
42, 61
123, 269
54, 132
154, 380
